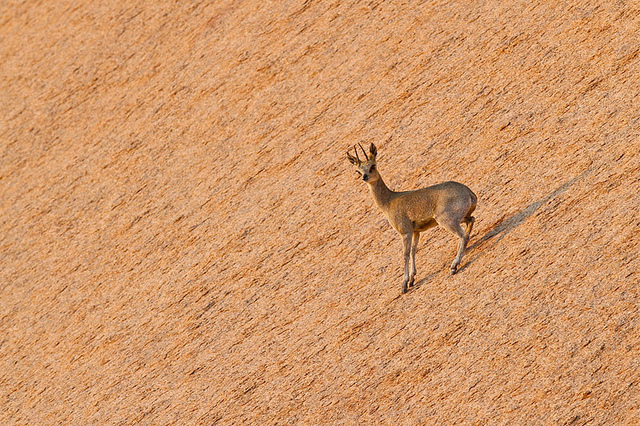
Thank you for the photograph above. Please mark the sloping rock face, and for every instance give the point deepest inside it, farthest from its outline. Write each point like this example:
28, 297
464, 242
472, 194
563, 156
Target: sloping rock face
183, 241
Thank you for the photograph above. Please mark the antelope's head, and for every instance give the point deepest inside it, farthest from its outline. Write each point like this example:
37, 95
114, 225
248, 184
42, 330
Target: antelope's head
367, 167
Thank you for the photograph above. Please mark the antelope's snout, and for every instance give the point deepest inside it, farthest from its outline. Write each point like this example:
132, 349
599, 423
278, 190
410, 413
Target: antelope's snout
365, 177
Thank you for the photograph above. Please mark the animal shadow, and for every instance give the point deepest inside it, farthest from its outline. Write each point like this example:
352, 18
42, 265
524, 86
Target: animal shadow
505, 226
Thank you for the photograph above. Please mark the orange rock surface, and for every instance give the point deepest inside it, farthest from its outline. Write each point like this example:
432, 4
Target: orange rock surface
182, 239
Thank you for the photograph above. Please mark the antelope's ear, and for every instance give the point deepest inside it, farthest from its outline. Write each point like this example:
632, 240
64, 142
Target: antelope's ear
373, 150
353, 160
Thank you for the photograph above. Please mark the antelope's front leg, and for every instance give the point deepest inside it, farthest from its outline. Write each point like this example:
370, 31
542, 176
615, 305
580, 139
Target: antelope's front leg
406, 242
414, 246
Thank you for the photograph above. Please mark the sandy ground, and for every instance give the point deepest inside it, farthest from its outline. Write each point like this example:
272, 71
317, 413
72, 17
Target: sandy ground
183, 241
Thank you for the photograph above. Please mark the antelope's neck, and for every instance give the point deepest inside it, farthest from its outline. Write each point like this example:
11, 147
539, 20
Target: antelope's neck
381, 193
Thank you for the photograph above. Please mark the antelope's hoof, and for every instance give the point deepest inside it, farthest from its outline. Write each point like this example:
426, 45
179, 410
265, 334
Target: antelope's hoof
454, 269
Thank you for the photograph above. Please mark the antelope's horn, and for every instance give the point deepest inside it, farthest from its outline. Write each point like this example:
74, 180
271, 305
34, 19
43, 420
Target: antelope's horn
363, 151
357, 156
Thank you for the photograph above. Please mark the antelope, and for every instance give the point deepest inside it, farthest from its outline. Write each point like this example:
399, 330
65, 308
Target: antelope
447, 204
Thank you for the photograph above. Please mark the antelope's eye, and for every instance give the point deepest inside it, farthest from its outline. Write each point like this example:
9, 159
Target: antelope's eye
372, 168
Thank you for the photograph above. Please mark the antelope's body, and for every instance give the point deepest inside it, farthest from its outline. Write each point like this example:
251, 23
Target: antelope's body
446, 204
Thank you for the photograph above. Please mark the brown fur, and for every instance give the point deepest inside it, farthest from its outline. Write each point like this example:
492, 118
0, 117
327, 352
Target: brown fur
447, 204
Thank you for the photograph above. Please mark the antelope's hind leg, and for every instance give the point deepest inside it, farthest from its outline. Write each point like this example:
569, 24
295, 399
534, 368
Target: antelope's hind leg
457, 230
469, 220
